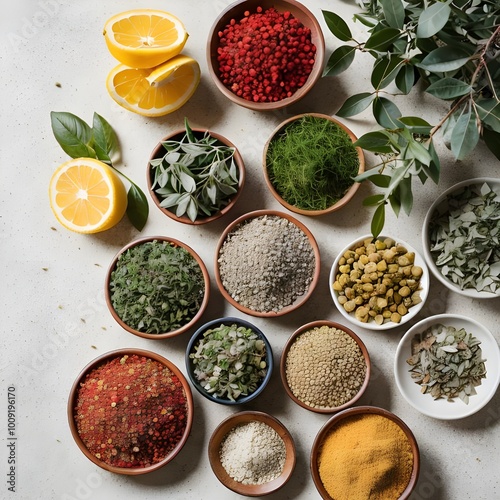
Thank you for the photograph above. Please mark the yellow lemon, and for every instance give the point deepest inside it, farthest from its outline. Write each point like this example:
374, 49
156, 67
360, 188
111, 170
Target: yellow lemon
144, 38
157, 91
87, 196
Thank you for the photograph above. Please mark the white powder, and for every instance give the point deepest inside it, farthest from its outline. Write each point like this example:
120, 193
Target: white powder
253, 453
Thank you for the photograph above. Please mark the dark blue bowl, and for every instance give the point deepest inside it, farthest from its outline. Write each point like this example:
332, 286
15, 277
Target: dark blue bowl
190, 367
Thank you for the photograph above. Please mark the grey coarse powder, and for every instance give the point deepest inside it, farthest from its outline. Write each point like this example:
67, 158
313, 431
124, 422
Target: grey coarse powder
253, 453
266, 263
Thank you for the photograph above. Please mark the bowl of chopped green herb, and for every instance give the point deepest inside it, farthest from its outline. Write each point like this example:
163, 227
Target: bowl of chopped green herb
447, 366
461, 238
157, 287
195, 175
310, 162
229, 361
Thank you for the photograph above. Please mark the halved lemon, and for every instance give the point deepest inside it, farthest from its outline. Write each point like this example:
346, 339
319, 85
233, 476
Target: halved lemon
144, 38
87, 196
157, 91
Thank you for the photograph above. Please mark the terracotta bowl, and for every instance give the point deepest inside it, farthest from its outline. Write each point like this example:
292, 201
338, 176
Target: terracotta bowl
283, 365
190, 366
73, 398
301, 299
236, 11
220, 433
333, 423
348, 194
163, 335
159, 151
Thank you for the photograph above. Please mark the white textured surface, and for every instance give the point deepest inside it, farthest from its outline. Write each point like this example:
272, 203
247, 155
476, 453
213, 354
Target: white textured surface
54, 319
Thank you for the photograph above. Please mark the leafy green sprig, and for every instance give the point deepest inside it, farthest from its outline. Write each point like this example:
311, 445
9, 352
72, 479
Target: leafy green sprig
453, 48
100, 141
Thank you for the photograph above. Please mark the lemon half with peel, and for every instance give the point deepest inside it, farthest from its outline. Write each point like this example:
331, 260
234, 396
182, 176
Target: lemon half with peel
157, 91
87, 196
144, 38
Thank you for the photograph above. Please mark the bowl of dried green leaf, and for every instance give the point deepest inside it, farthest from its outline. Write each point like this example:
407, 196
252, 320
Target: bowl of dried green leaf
461, 238
447, 366
195, 175
157, 287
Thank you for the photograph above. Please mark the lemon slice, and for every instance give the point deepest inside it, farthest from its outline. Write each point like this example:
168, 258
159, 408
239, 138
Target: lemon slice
144, 38
87, 196
157, 91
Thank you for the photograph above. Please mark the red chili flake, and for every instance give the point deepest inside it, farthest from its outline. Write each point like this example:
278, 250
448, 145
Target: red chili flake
266, 56
131, 411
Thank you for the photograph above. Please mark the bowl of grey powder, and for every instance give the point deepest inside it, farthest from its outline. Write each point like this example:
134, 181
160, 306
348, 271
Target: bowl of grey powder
324, 367
252, 453
267, 263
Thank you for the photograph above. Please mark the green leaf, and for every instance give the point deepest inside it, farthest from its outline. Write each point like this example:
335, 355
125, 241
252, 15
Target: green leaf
465, 135
340, 60
381, 40
492, 141
137, 208
373, 200
337, 26
417, 151
376, 142
378, 220
367, 21
489, 112
394, 12
355, 104
386, 113
405, 79
449, 88
189, 133
416, 125
72, 134
406, 195
384, 71
433, 19
395, 201
381, 180
444, 59
105, 141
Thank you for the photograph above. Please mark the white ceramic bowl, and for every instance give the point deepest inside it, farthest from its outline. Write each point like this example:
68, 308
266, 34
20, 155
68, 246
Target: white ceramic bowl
441, 408
371, 325
440, 204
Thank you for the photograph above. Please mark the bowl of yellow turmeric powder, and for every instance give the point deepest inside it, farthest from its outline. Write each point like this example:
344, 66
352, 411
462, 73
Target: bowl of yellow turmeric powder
365, 452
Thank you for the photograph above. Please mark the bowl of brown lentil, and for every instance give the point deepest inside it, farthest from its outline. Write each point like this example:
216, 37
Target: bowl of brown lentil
144, 282
265, 54
325, 367
267, 263
130, 411
379, 283
252, 453
365, 452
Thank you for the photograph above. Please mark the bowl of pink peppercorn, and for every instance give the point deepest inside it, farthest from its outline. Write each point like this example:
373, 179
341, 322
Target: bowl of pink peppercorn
264, 54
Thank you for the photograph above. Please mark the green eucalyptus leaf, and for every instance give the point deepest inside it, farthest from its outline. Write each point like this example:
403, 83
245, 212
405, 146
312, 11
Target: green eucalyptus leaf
432, 19
405, 79
489, 112
386, 113
337, 26
105, 140
395, 201
192, 209
406, 195
492, 141
449, 88
416, 125
73, 134
137, 207
367, 21
169, 199
380, 41
377, 142
371, 201
187, 181
385, 71
417, 151
355, 104
433, 170
394, 12
340, 60
381, 180
189, 132
378, 220
465, 135
444, 59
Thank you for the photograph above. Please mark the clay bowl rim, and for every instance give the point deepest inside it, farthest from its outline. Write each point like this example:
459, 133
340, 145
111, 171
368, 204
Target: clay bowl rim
100, 360
237, 9
251, 490
173, 333
316, 324
363, 410
349, 193
301, 300
157, 152
269, 360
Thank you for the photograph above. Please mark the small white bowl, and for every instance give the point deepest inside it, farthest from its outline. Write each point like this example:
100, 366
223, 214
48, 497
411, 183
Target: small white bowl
412, 311
441, 408
440, 204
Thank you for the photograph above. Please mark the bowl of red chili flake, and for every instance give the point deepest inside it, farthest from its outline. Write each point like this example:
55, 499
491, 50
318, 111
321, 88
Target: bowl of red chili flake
130, 411
265, 54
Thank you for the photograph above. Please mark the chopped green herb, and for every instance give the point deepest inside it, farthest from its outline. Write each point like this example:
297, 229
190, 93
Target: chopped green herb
230, 361
156, 287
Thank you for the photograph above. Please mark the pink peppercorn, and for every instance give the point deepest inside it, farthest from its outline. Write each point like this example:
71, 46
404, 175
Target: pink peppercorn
266, 56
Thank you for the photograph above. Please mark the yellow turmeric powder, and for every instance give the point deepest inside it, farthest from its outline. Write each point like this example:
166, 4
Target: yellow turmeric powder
365, 457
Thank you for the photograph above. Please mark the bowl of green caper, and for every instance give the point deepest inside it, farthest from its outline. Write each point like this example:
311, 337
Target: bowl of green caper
379, 283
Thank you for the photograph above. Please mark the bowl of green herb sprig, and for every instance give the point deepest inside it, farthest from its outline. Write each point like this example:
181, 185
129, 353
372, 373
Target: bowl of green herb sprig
157, 287
229, 361
310, 162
